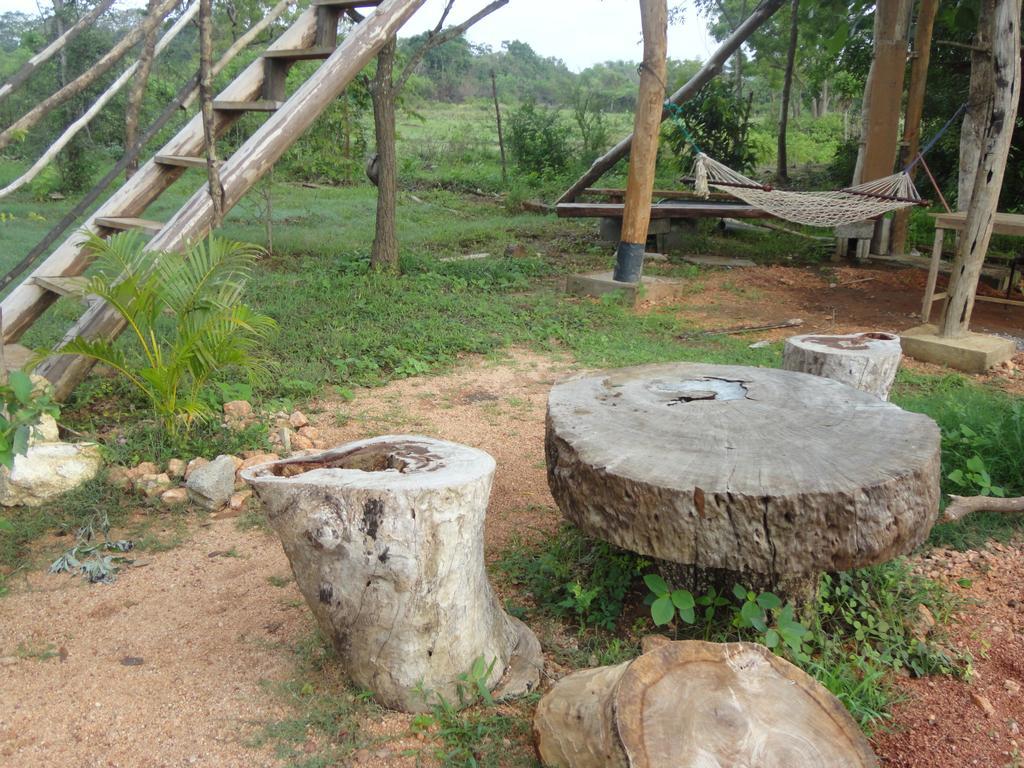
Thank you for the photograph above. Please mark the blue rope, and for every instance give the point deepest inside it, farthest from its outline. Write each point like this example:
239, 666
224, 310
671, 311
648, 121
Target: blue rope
677, 112
935, 138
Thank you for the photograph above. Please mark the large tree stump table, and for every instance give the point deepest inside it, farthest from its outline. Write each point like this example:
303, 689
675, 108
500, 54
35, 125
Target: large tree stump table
752, 475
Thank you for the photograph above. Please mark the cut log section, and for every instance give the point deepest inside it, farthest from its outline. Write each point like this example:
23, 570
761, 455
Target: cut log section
385, 538
693, 704
769, 475
866, 361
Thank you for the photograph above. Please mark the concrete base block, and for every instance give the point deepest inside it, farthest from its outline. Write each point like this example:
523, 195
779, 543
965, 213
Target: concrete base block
650, 288
971, 353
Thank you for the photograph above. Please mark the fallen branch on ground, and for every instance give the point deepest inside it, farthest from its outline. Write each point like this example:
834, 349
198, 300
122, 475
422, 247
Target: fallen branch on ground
791, 323
961, 506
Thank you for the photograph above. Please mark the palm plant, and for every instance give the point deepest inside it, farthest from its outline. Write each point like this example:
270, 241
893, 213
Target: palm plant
185, 314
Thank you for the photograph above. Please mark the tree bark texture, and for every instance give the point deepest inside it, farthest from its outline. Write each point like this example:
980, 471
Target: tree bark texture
216, 189
750, 470
988, 179
385, 538
883, 93
865, 361
915, 108
693, 704
979, 97
636, 214
60, 44
782, 170
87, 78
138, 90
711, 68
384, 253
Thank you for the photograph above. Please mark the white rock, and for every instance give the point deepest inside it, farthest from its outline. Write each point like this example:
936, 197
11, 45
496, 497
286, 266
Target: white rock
211, 485
47, 471
45, 431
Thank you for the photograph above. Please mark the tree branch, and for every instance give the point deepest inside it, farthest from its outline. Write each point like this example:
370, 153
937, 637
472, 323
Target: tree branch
961, 506
438, 37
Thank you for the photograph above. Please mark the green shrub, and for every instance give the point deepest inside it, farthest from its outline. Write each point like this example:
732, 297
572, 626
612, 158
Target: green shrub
538, 140
208, 330
718, 120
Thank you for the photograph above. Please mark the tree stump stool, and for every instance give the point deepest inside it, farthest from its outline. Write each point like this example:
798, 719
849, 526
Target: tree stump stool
693, 704
743, 475
385, 538
865, 361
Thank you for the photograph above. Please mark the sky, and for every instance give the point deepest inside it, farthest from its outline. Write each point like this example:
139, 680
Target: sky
580, 32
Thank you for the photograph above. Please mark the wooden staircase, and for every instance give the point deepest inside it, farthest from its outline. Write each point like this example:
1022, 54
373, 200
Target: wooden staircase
259, 87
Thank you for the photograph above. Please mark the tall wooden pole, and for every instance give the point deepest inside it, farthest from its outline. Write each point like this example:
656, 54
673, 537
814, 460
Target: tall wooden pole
501, 137
915, 108
995, 149
636, 216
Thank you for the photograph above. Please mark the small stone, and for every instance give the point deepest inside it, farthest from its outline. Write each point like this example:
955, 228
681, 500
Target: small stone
1014, 728
300, 443
297, 420
982, 703
238, 500
1012, 686
176, 468
119, 477
174, 497
259, 458
8, 661
285, 438
145, 468
153, 484
237, 410
516, 251
195, 464
310, 433
236, 461
46, 431
211, 485
925, 622
362, 755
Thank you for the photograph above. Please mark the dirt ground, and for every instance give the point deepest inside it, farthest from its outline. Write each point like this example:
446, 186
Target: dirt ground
168, 665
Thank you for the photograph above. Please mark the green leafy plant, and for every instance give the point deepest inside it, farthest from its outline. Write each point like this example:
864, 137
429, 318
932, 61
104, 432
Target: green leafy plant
976, 478
22, 409
90, 557
669, 603
774, 622
185, 317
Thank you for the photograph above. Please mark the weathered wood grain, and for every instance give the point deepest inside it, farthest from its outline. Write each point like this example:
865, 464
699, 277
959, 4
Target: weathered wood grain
795, 476
865, 361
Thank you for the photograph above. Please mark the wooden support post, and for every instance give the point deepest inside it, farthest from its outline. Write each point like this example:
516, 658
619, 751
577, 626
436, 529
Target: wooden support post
988, 180
501, 138
915, 106
636, 215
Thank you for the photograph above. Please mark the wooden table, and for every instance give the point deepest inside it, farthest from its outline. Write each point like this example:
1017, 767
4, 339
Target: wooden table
747, 475
1005, 224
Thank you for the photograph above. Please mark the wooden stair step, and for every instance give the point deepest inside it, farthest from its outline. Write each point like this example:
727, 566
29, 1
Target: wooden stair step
129, 222
346, 4
260, 105
16, 357
300, 54
65, 286
183, 161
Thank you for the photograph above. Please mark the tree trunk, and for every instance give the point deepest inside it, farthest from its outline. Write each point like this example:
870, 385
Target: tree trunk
915, 107
691, 703
78, 85
865, 361
710, 69
636, 214
138, 91
206, 97
988, 178
961, 506
385, 538
979, 96
58, 45
384, 255
782, 170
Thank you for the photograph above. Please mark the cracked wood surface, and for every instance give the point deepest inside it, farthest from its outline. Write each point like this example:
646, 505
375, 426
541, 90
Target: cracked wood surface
750, 470
692, 704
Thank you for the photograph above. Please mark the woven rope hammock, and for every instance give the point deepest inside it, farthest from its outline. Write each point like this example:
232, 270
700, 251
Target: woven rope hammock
817, 209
